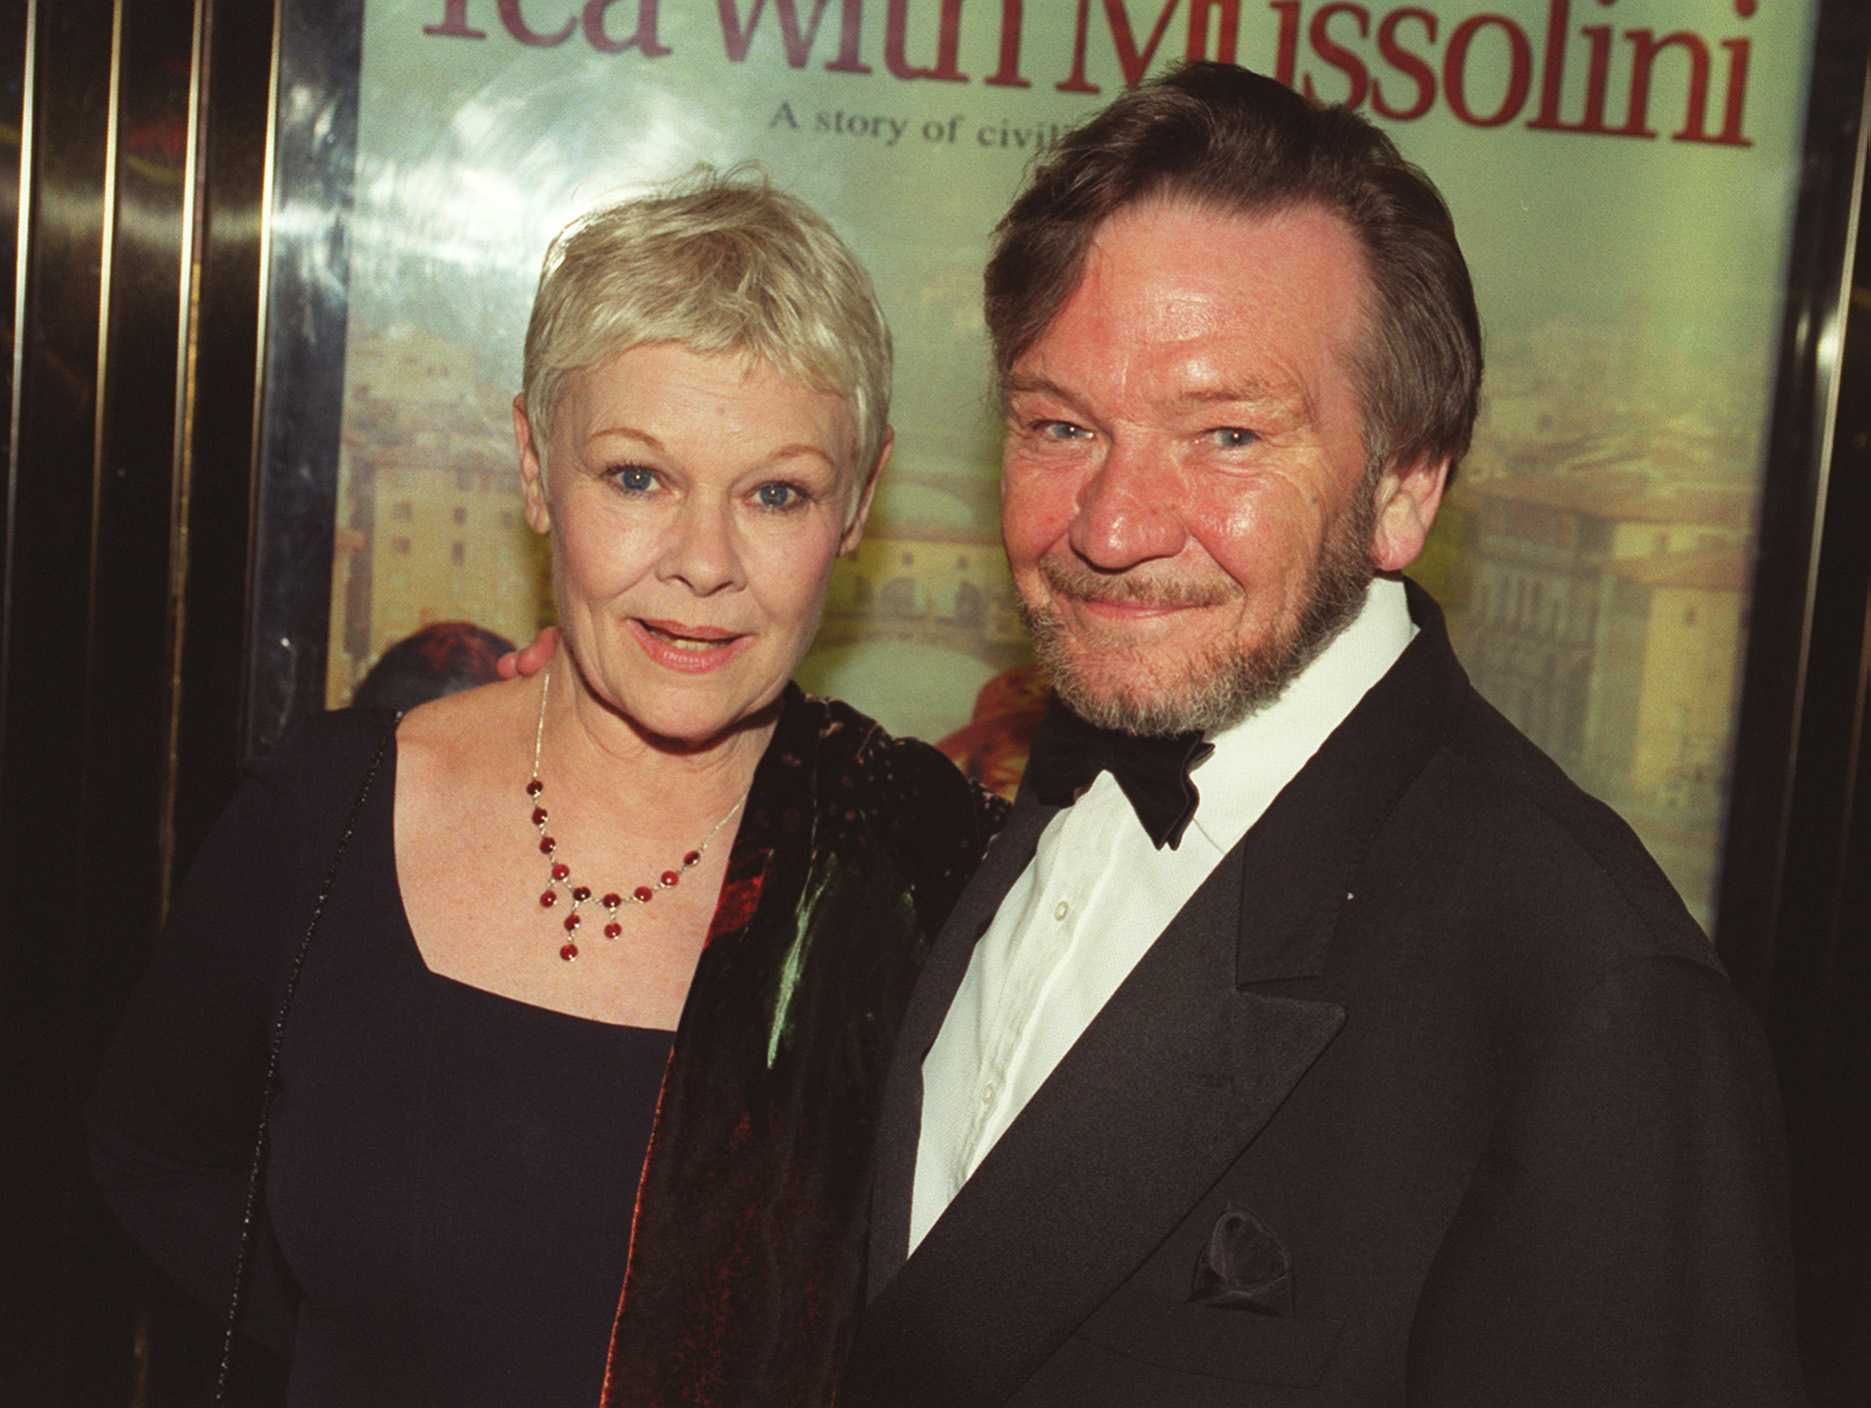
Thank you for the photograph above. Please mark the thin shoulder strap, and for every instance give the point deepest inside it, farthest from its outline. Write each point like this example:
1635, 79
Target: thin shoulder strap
256, 1171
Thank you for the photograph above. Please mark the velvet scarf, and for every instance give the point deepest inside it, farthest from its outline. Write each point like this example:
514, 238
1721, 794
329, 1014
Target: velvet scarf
745, 1251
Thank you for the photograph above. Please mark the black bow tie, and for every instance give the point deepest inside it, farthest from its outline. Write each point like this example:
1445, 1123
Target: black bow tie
1068, 754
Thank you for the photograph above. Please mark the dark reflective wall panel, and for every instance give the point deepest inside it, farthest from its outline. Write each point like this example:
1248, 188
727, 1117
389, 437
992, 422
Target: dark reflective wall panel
51, 1000
127, 517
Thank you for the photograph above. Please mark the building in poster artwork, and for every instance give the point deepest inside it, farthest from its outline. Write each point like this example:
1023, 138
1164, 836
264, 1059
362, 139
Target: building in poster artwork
1674, 626
1605, 613
932, 572
430, 527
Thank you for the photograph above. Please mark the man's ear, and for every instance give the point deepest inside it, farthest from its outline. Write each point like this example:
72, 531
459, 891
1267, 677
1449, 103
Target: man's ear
532, 472
854, 530
1407, 501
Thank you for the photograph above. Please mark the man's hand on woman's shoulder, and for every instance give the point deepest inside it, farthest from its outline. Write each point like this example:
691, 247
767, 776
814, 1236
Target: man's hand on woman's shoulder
531, 659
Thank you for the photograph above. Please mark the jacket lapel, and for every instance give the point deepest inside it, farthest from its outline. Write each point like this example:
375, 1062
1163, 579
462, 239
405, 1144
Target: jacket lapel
899, 1124
1177, 1073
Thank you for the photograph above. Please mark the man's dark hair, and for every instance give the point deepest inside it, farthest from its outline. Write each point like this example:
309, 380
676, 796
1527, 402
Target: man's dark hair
1238, 142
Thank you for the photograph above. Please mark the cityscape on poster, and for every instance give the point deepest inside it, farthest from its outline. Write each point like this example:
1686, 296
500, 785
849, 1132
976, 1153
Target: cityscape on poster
1621, 173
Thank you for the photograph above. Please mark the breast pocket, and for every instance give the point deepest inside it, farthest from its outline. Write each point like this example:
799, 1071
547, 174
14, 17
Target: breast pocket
1284, 1350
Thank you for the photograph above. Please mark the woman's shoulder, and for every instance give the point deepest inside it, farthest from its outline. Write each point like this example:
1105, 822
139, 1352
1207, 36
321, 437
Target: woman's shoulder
468, 717
295, 795
904, 777
898, 800
323, 747
468, 733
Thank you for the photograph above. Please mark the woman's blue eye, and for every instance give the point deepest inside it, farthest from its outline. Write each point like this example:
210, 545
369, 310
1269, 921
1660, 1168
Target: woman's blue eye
636, 479
776, 496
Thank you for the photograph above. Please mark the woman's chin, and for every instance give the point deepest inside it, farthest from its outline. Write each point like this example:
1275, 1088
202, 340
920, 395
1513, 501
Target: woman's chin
678, 711
693, 725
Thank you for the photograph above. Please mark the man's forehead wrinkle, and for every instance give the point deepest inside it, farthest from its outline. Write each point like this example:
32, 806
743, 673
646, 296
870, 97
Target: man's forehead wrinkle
1205, 380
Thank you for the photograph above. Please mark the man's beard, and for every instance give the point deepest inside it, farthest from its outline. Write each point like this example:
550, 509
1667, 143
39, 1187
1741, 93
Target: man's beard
1229, 683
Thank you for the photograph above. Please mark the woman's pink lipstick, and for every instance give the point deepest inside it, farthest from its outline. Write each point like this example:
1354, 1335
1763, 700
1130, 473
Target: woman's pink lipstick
693, 650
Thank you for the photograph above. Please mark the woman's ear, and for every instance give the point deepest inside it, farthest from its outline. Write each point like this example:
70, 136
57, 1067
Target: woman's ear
532, 470
854, 530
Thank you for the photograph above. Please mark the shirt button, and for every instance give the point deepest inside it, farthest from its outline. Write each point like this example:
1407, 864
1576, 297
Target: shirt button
987, 1093
1060, 910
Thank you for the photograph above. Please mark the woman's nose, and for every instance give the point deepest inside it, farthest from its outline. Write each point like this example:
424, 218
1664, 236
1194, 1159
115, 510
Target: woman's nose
701, 551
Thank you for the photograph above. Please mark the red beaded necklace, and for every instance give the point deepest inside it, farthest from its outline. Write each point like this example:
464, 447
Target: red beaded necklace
560, 874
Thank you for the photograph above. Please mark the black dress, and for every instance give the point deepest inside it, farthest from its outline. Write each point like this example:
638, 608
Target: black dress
456, 1178
452, 1173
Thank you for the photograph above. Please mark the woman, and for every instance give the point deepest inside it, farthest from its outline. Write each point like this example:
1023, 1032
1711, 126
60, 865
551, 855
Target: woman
651, 898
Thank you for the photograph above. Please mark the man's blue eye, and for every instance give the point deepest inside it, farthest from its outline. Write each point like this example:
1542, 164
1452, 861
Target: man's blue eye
776, 495
1232, 437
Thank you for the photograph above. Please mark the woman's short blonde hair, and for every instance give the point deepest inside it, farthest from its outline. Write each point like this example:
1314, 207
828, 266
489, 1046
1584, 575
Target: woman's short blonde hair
718, 264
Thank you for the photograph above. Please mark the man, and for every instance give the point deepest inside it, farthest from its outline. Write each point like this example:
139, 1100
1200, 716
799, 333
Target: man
1395, 1073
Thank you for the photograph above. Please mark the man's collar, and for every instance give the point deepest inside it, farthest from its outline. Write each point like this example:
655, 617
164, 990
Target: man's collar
1255, 758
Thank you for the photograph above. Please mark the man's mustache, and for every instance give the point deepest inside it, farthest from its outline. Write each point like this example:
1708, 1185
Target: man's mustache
1079, 583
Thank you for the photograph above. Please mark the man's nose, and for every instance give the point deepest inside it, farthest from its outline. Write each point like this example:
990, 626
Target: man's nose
701, 550
1129, 510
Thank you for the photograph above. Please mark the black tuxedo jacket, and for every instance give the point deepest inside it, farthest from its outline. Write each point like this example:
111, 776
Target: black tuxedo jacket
1433, 1094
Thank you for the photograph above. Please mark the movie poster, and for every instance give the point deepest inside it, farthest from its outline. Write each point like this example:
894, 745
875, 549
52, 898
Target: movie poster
1622, 173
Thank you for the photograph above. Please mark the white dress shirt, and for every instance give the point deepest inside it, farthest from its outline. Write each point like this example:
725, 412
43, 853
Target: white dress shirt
1098, 894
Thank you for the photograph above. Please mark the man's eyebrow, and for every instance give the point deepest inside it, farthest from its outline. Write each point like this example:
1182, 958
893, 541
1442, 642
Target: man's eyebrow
1248, 393
1044, 386
1262, 395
